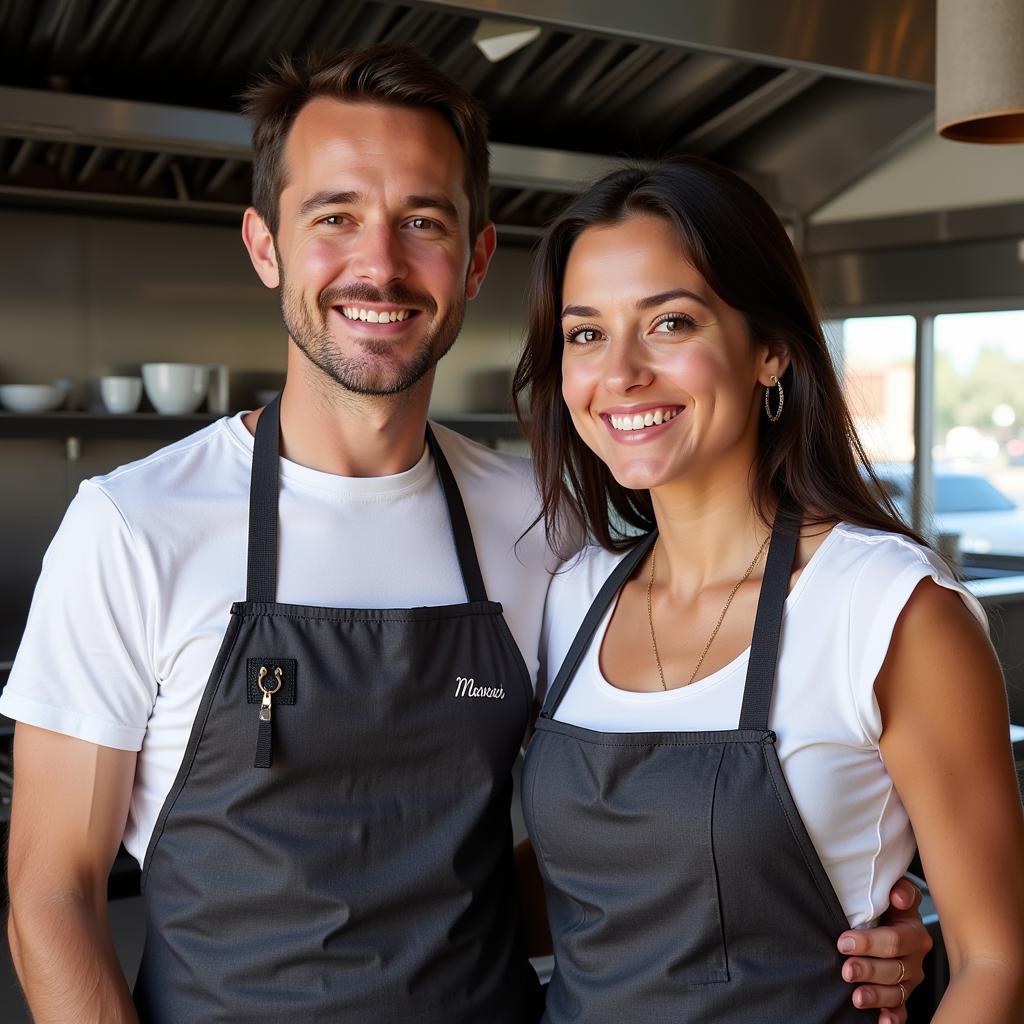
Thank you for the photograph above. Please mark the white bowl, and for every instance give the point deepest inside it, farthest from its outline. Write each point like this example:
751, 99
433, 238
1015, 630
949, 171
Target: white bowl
121, 394
32, 397
175, 389
264, 396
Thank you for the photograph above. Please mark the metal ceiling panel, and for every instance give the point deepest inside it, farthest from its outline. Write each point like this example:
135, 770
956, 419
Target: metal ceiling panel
93, 120
876, 40
827, 137
987, 273
118, 155
38, 114
937, 227
717, 131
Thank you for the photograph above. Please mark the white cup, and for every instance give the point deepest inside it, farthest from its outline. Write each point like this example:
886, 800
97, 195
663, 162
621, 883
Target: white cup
176, 389
121, 394
218, 396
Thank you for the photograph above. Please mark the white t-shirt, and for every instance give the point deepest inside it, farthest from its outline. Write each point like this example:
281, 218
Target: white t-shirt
837, 625
136, 587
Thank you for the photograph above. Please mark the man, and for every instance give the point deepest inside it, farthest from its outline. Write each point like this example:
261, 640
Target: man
322, 818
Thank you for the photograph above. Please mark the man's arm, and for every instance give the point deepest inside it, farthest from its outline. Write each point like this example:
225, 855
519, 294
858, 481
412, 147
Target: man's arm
875, 955
68, 813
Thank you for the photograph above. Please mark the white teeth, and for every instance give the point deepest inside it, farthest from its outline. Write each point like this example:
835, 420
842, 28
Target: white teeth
639, 421
373, 316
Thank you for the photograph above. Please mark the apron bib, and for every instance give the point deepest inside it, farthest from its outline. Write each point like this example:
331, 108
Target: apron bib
682, 886
337, 843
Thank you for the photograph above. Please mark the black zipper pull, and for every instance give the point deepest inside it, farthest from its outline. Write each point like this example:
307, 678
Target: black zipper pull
263, 736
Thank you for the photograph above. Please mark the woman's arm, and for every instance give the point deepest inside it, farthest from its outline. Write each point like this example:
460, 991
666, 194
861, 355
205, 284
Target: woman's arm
945, 743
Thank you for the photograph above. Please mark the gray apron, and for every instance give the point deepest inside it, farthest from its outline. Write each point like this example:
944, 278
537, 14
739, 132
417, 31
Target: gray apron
682, 886
337, 844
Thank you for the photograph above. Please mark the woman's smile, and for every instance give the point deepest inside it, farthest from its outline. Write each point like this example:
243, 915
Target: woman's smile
642, 423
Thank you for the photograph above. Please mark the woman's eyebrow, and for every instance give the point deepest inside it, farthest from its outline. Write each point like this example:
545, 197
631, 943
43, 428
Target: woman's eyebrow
649, 303
580, 311
662, 297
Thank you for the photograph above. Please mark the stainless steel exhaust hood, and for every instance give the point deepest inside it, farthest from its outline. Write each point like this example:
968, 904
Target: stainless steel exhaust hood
129, 105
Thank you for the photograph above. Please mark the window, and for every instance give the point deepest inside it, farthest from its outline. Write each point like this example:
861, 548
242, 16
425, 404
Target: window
975, 497
875, 359
978, 432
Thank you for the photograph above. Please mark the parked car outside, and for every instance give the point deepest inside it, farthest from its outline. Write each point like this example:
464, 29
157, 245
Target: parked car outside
967, 504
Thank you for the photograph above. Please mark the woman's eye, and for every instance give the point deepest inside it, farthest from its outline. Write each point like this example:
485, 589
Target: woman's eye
674, 324
583, 335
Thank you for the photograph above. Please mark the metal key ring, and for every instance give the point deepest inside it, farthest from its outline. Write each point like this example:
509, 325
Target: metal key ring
277, 674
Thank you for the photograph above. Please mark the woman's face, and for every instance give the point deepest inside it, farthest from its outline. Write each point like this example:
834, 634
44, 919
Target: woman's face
660, 376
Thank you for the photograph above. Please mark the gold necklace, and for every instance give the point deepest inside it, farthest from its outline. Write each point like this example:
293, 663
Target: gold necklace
711, 639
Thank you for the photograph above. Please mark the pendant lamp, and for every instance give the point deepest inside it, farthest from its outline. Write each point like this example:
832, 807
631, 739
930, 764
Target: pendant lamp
979, 70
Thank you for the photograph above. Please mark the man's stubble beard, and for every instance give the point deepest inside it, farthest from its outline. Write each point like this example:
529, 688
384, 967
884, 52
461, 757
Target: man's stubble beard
364, 375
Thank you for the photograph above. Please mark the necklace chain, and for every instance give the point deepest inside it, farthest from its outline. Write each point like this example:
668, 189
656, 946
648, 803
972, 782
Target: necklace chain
711, 639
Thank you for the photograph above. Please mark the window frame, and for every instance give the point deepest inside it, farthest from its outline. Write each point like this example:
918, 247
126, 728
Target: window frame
924, 314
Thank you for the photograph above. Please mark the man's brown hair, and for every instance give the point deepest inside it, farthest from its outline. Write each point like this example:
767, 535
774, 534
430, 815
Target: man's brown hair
385, 73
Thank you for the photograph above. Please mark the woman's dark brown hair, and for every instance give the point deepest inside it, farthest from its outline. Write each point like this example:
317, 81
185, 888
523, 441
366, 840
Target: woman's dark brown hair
811, 457
385, 73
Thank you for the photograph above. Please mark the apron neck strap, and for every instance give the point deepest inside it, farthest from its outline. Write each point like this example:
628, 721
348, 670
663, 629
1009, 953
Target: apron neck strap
608, 592
462, 534
771, 603
261, 576
764, 647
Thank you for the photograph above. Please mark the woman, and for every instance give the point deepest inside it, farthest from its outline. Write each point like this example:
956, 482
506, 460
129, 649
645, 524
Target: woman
778, 687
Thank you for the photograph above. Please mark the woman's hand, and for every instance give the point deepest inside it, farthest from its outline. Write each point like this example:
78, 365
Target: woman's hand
884, 958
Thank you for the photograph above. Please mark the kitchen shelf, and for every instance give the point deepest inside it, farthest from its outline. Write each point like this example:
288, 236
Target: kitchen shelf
153, 426
146, 425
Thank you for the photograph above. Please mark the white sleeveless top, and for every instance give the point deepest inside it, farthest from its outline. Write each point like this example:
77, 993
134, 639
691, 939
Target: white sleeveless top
836, 629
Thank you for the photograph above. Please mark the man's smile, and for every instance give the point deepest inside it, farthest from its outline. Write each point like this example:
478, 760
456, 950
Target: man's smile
376, 316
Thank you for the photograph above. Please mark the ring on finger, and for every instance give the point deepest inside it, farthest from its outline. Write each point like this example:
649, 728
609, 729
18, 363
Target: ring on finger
903, 993
903, 971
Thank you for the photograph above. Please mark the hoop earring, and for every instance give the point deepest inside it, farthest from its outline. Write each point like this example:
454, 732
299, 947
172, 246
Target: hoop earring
782, 398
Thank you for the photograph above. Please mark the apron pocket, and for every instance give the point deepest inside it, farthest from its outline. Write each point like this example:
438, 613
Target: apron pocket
622, 828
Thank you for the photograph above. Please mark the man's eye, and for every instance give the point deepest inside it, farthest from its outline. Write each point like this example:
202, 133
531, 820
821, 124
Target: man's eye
424, 224
332, 219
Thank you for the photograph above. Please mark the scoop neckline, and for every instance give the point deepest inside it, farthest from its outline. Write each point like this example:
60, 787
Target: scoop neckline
716, 677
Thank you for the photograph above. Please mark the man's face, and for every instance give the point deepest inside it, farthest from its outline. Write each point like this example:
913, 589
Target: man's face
373, 252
